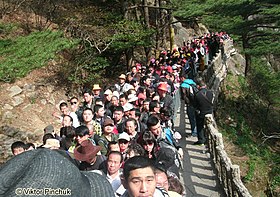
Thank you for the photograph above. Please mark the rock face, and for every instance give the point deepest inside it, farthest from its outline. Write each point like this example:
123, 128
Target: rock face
26, 108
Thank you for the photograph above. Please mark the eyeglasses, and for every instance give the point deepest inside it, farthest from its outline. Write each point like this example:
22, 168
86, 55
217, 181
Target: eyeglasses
148, 142
123, 141
73, 103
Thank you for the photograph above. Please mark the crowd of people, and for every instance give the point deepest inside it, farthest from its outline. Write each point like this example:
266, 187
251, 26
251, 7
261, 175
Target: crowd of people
125, 132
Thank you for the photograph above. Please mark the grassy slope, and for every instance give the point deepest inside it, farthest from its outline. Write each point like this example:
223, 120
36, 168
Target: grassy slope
20, 55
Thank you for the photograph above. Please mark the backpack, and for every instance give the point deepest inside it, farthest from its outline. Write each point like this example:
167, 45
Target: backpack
193, 91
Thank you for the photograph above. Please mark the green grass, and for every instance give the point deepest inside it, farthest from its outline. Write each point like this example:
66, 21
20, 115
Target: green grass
25, 53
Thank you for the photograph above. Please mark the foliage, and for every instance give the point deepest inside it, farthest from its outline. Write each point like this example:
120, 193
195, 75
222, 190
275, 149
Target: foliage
130, 34
25, 53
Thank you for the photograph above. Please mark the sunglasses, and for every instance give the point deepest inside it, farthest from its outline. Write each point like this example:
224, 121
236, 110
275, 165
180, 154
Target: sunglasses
123, 141
73, 103
148, 142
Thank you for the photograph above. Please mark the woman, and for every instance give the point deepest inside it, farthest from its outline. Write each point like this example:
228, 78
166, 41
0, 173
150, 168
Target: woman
148, 142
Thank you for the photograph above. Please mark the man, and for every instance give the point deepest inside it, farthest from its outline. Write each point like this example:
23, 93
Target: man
88, 121
135, 113
162, 182
82, 134
131, 129
114, 163
86, 153
118, 117
75, 107
18, 147
123, 141
139, 178
187, 94
88, 99
121, 86
107, 135
50, 173
166, 100
204, 105
64, 109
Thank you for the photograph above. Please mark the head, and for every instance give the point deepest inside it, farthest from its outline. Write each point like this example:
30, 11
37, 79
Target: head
18, 147
161, 178
43, 168
82, 133
108, 126
74, 103
135, 149
87, 115
67, 121
64, 108
154, 106
148, 141
114, 162
118, 114
122, 78
131, 126
154, 126
87, 95
108, 95
123, 141
96, 90
114, 101
139, 177
113, 146
99, 111
146, 104
123, 99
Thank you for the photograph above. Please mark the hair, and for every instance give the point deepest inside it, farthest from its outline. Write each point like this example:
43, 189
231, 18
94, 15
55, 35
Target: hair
71, 119
98, 100
81, 130
116, 153
136, 148
200, 82
131, 119
152, 121
47, 136
123, 96
153, 104
137, 112
63, 104
87, 108
97, 108
148, 136
74, 97
68, 132
135, 163
87, 90
28, 145
166, 111
111, 143
119, 108
18, 144
175, 185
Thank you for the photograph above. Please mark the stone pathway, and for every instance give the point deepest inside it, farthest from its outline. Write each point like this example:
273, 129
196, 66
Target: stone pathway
198, 174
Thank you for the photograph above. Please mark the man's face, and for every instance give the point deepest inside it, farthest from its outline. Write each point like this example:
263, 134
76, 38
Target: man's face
161, 93
130, 127
113, 163
66, 121
114, 101
100, 112
96, 92
87, 97
80, 139
87, 116
123, 101
118, 115
131, 114
156, 130
18, 150
74, 104
64, 110
162, 181
148, 82
146, 105
141, 182
121, 80
123, 144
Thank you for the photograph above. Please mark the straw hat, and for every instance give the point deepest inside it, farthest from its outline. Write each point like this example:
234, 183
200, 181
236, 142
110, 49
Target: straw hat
96, 87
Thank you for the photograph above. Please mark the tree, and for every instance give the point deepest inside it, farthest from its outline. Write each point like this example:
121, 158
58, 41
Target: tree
253, 22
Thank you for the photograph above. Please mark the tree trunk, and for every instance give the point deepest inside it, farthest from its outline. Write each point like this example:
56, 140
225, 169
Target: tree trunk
129, 55
146, 14
247, 56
